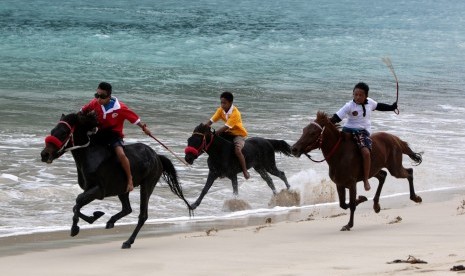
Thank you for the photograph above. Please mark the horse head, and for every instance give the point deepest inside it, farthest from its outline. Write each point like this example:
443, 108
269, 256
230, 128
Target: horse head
199, 142
312, 135
71, 132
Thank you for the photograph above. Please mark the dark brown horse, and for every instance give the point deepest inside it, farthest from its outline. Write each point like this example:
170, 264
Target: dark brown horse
345, 160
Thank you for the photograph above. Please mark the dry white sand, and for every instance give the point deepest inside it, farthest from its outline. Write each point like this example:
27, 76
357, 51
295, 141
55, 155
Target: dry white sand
432, 231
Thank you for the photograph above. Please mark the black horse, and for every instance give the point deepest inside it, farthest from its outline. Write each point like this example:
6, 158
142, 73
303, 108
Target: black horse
222, 161
99, 173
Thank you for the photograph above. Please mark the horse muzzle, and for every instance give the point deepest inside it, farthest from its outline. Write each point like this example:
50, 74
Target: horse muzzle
296, 151
191, 154
47, 156
190, 158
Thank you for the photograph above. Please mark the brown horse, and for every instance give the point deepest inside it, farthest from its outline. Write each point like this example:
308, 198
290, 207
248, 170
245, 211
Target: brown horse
345, 160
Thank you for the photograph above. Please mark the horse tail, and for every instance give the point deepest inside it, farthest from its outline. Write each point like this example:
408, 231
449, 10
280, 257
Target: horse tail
280, 146
415, 156
171, 177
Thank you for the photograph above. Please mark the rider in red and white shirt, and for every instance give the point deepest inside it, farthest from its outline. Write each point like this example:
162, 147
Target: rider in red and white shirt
111, 114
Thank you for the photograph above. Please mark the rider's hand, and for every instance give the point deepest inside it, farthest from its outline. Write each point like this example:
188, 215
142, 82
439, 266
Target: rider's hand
146, 130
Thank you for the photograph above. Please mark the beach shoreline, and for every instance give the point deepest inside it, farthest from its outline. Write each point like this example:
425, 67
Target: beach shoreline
304, 241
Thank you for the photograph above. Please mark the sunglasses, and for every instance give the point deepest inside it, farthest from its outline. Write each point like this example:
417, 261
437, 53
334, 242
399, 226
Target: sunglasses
101, 96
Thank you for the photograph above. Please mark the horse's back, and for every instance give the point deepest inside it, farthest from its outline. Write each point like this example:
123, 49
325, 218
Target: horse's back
385, 140
142, 157
258, 143
103, 168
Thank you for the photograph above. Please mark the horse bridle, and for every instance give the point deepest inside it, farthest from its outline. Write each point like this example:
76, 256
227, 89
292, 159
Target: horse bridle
62, 145
203, 146
319, 140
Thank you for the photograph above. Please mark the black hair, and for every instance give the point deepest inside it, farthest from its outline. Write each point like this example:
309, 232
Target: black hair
363, 86
228, 96
105, 86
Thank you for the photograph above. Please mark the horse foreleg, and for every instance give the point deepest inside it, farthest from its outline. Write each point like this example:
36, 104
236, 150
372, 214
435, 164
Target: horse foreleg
381, 176
353, 202
413, 196
82, 200
267, 178
210, 179
126, 210
144, 203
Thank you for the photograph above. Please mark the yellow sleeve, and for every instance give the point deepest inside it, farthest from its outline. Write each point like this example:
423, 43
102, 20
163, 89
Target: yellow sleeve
217, 115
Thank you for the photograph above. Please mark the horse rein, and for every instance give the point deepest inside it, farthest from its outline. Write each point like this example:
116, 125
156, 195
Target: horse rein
320, 141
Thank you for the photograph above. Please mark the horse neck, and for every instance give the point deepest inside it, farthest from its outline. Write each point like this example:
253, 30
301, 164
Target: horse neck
79, 155
216, 147
80, 138
330, 138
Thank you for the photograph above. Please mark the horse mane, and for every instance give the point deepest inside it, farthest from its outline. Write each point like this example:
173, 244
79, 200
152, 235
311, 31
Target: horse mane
71, 118
323, 118
88, 119
202, 128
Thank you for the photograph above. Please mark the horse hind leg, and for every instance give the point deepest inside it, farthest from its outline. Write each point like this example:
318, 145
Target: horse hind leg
381, 176
402, 172
276, 172
143, 216
267, 178
126, 210
416, 198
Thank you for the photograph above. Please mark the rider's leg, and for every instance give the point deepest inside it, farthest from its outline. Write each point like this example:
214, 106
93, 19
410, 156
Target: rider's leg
126, 166
366, 167
238, 145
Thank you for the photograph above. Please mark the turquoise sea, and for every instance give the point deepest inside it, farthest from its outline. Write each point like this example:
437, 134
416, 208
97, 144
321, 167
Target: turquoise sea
170, 60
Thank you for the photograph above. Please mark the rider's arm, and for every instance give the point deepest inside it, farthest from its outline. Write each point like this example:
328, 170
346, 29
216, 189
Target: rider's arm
221, 130
386, 107
335, 119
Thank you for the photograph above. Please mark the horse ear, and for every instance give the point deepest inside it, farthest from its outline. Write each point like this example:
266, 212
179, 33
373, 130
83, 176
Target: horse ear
62, 116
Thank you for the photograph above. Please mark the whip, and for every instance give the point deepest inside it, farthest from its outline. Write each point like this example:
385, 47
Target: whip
180, 159
388, 63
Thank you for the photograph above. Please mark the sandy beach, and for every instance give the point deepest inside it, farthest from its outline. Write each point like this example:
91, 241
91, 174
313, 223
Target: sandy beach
307, 242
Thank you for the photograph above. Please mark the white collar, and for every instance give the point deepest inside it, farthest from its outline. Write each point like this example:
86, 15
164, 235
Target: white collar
230, 110
116, 106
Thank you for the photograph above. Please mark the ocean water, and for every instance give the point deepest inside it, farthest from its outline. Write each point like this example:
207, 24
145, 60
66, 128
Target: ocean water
169, 61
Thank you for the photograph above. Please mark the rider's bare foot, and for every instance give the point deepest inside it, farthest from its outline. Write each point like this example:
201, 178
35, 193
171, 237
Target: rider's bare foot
246, 175
130, 186
366, 185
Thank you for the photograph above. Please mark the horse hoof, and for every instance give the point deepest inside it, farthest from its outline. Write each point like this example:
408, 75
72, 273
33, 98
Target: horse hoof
126, 245
98, 214
417, 199
109, 225
376, 207
74, 230
345, 228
